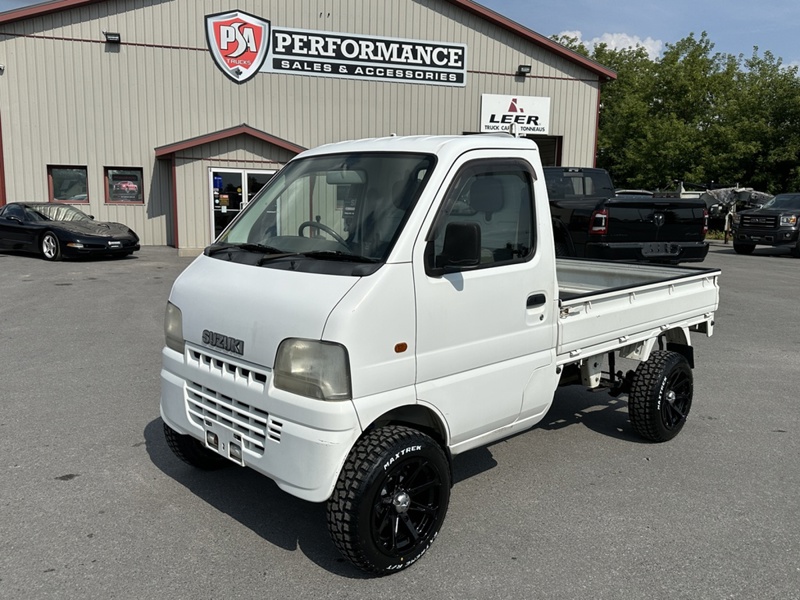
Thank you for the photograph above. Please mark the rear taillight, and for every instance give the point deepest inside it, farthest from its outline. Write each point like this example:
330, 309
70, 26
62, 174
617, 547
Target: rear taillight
705, 222
598, 224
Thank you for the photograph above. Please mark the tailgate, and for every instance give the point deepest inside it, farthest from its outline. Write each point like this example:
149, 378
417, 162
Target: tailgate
645, 219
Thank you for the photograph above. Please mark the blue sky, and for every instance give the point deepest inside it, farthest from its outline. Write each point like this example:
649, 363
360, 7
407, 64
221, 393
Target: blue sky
734, 26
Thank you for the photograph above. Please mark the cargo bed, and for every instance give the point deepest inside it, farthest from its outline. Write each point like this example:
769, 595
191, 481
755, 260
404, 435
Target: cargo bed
608, 306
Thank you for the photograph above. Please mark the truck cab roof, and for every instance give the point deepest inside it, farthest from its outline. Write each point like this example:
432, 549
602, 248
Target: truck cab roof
436, 144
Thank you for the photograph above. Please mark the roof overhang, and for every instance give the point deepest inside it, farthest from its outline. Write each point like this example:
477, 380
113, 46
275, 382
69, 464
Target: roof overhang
43, 8
171, 149
536, 38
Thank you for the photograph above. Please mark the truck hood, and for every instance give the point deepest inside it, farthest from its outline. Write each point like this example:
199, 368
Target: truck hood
256, 306
770, 212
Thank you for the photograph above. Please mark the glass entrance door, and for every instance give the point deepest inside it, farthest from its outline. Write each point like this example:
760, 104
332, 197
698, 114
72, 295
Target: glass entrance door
231, 190
227, 198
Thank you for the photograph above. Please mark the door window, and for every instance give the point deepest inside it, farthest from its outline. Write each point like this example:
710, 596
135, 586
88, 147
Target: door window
496, 198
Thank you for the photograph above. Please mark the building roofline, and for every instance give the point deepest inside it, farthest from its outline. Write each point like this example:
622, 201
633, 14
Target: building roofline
43, 8
481, 11
224, 134
536, 38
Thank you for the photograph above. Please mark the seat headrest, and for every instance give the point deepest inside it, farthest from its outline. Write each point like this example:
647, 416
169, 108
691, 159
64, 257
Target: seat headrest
486, 195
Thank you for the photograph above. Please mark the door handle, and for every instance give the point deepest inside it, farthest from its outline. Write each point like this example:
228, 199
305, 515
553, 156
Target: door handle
535, 300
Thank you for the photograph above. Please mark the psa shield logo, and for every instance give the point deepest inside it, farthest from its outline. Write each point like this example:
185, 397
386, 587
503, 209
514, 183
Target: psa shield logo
239, 43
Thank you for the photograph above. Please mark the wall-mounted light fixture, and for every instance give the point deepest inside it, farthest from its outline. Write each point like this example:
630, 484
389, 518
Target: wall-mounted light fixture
112, 37
2, 69
523, 70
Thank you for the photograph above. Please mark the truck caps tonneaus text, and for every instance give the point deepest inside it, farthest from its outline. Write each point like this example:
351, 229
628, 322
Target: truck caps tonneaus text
384, 305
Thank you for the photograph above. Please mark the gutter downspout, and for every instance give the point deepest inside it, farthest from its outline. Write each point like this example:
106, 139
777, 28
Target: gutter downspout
3, 198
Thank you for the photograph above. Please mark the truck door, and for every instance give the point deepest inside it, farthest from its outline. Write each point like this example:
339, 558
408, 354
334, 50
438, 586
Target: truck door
486, 332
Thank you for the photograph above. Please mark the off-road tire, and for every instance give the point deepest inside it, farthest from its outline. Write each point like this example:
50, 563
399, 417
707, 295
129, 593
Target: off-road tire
390, 500
661, 396
192, 451
740, 248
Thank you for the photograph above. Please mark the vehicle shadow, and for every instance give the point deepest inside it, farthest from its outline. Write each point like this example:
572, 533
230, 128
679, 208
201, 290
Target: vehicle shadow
760, 251
595, 410
294, 524
277, 517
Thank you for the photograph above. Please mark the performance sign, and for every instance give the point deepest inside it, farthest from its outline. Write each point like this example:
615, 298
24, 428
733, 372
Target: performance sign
527, 114
242, 44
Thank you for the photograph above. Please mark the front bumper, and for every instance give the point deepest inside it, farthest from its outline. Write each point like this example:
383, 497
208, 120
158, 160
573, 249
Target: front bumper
298, 442
672, 252
766, 237
92, 248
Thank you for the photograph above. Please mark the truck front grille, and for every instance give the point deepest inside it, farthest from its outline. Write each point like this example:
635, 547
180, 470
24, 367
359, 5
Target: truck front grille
253, 425
206, 405
754, 222
227, 370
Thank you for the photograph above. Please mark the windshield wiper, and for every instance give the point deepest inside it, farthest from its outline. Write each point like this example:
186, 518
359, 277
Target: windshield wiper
216, 249
339, 255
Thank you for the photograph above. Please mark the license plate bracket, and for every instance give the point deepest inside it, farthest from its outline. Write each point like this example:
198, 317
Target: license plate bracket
660, 249
224, 442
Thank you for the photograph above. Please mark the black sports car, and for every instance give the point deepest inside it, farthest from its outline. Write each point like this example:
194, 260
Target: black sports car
57, 230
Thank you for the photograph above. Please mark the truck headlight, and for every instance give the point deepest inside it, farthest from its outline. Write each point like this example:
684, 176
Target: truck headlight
173, 328
789, 220
313, 369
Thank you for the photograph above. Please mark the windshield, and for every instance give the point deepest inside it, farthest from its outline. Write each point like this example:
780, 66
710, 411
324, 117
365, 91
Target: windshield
787, 201
351, 206
61, 212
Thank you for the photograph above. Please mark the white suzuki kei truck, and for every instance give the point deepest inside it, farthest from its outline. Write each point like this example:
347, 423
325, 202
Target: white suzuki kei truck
384, 305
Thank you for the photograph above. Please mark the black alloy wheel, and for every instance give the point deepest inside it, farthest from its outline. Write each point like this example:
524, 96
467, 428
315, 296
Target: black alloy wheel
390, 500
661, 396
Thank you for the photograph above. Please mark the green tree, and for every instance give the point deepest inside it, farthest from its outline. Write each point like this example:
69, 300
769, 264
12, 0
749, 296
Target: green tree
696, 115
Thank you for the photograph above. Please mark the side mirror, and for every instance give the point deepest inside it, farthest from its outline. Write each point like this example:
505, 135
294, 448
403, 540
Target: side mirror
461, 249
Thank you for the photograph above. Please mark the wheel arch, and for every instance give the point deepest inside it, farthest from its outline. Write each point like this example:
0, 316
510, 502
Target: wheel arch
677, 339
416, 416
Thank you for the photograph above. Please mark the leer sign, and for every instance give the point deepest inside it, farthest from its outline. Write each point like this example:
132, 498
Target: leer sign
528, 114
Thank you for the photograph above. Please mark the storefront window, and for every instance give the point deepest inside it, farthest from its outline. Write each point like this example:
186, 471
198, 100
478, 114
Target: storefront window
68, 184
124, 185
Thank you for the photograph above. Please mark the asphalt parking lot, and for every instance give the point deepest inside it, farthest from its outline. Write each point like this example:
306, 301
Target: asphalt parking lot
94, 505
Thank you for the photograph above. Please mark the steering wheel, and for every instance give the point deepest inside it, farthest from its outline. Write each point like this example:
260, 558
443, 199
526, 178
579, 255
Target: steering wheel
324, 228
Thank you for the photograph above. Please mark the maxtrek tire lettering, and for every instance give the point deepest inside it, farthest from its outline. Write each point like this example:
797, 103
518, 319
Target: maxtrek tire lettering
390, 500
399, 454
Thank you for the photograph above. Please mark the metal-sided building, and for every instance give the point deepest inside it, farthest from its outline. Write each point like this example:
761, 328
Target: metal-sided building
167, 115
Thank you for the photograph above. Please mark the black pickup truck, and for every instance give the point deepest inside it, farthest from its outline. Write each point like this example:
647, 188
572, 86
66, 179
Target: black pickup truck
777, 223
591, 221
